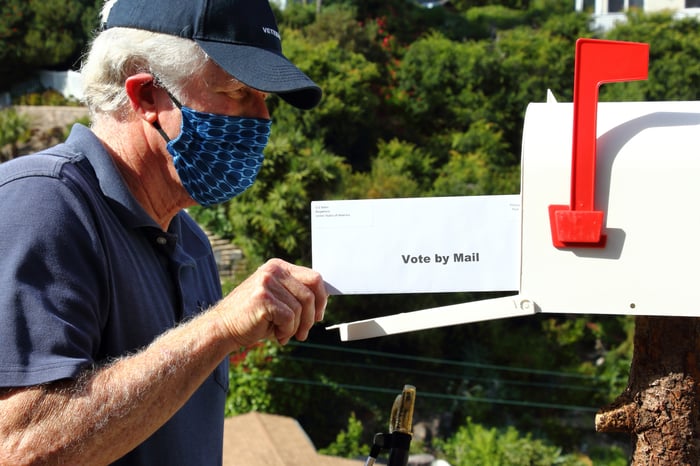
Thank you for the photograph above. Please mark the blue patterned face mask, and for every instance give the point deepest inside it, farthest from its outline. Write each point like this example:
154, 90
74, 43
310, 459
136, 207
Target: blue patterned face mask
217, 157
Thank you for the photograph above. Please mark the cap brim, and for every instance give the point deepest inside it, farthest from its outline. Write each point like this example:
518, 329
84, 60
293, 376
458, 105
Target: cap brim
266, 71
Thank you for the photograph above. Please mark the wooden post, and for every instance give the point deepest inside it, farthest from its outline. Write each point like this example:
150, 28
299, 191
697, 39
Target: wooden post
660, 407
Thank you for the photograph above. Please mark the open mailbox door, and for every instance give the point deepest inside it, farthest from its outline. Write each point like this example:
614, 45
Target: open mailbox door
627, 242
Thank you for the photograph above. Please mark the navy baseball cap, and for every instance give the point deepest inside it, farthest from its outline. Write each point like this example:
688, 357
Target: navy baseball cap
241, 36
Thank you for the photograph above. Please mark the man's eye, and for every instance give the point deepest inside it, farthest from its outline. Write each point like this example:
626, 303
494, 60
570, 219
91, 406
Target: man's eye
236, 93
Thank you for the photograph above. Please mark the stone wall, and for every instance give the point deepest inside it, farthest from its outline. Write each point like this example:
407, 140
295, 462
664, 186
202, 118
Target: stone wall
45, 118
48, 126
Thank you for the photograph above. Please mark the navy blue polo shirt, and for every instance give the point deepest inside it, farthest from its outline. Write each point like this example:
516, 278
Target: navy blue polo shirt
88, 276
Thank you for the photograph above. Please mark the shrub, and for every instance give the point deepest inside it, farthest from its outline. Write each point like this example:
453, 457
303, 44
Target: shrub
348, 443
476, 445
14, 129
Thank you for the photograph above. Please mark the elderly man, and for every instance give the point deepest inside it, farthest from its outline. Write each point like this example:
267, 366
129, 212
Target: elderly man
113, 329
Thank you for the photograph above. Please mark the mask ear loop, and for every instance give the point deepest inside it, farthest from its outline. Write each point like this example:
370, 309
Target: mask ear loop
160, 130
156, 124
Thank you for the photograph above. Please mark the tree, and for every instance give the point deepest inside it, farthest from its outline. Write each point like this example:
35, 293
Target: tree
13, 24
43, 34
480, 162
441, 86
400, 169
674, 58
660, 407
346, 120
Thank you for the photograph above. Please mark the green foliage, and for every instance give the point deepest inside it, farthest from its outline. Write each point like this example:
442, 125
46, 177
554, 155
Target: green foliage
566, 24
485, 21
607, 342
14, 129
339, 24
346, 119
608, 456
674, 58
476, 445
400, 169
404, 21
214, 218
295, 15
14, 20
450, 95
51, 37
616, 337
348, 443
253, 387
479, 163
47, 97
85, 121
466, 5
528, 65
440, 85
43, 34
249, 388
469, 174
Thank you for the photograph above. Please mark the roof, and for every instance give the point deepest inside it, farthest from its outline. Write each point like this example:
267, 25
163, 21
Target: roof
258, 439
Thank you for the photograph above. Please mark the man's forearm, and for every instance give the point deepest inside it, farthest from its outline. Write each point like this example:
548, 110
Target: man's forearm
107, 412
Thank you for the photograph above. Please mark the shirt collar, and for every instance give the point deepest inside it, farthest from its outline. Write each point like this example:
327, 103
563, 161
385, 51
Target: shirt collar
83, 141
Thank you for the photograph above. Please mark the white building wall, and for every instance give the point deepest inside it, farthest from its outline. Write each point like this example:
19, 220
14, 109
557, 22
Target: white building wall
606, 13
68, 83
659, 5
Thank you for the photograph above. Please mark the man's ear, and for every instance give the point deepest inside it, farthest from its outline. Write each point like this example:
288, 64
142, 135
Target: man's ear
143, 95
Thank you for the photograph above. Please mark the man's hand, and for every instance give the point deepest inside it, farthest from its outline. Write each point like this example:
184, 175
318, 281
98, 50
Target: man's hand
279, 300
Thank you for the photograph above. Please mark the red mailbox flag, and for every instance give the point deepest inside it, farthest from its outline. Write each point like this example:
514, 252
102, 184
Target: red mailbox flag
596, 62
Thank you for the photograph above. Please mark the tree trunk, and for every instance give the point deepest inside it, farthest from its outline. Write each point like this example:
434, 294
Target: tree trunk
660, 406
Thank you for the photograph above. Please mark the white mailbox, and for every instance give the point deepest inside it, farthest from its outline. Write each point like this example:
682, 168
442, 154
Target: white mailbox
646, 186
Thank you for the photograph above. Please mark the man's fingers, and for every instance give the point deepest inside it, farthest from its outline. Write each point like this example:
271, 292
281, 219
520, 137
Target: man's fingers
280, 300
306, 286
314, 283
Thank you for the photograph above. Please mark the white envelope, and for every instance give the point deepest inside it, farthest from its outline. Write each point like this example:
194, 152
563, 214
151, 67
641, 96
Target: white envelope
418, 245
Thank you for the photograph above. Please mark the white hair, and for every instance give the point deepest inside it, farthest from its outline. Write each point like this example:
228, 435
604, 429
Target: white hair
117, 53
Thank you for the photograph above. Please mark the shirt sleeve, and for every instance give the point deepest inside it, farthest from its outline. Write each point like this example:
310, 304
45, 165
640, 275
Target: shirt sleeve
52, 270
